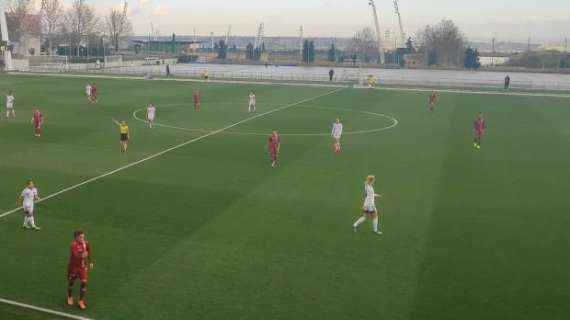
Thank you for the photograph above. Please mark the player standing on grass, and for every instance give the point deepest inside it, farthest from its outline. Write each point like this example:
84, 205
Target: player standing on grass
479, 130
432, 101
336, 134
10, 100
369, 207
80, 262
124, 129
88, 91
252, 101
150, 115
37, 122
93, 96
197, 98
27, 199
274, 147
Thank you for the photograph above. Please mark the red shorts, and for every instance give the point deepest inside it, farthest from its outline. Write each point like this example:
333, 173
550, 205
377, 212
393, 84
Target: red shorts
478, 132
37, 125
77, 272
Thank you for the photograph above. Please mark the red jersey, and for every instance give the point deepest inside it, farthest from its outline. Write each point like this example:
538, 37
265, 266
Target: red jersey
479, 124
197, 96
274, 141
93, 90
80, 253
38, 118
432, 98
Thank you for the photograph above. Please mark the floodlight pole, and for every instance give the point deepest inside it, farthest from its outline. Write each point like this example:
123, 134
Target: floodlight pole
4, 32
377, 23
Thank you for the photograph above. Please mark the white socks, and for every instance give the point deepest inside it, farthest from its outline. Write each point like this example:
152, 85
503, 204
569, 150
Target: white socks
29, 221
359, 221
375, 224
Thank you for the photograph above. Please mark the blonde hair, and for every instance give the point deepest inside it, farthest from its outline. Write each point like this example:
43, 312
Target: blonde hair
370, 179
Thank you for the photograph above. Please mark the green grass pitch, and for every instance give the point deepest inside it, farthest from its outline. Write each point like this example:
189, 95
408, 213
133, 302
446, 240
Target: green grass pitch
210, 231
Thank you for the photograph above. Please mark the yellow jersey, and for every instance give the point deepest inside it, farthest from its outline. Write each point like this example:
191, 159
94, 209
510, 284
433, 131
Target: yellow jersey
124, 129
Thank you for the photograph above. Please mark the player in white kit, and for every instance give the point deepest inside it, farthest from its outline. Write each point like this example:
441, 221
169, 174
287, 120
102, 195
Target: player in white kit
369, 207
27, 198
88, 91
251, 102
150, 115
336, 134
10, 100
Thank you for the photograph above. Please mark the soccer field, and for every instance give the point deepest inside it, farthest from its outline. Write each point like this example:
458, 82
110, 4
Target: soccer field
195, 224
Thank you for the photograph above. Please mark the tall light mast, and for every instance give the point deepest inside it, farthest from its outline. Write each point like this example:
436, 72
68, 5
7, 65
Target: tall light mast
228, 36
402, 33
5, 38
377, 23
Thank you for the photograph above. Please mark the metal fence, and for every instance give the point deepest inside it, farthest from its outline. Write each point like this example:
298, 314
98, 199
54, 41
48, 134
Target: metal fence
419, 78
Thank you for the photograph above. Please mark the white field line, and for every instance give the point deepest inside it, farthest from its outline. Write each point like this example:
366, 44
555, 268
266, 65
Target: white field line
394, 124
156, 155
44, 310
301, 84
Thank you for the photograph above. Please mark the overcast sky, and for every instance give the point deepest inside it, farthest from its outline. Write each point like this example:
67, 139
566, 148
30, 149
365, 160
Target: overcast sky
545, 20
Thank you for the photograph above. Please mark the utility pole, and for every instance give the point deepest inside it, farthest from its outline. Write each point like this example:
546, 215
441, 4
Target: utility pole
378, 35
493, 50
565, 45
301, 41
528, 48
5, 38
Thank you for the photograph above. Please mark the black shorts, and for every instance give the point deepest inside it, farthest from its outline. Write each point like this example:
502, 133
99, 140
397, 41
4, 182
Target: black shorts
124, 137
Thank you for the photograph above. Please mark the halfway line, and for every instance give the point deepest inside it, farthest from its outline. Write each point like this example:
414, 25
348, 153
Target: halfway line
156, 155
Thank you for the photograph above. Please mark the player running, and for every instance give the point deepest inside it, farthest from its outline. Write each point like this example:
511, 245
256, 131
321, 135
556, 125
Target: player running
432, 101
252, 101
124, 129
336, 134
93, 95
37, 122
27, 199
369, 207
150, 115
80, 261
197, 98
479, 130
10, 100
274, 147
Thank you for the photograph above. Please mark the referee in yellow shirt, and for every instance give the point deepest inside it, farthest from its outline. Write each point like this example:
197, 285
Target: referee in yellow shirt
124, 128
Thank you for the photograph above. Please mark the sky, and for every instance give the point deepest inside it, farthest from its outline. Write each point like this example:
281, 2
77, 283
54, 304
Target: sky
545, 21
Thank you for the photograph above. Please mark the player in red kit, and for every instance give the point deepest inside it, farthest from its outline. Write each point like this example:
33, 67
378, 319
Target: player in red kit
479, 130
432, 101
79, 264
93, 96
197, 97
37, 121
274, 147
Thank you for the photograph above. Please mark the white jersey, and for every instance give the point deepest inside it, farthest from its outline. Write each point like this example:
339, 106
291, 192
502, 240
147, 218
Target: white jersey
151, 112
370, 197
29, 196
337, 130
88, 90
252, 99
10, 101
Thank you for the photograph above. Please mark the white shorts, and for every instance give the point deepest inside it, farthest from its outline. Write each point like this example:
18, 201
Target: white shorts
369, 208
150, 118
336, 137
29, 209
10, 106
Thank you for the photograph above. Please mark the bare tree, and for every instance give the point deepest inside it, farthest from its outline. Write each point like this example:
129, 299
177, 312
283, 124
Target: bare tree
81, 22
17, 17
118, 25
52, 13
443, 44
365, 45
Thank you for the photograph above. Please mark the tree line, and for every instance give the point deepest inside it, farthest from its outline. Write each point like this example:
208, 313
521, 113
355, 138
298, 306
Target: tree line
74, 27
